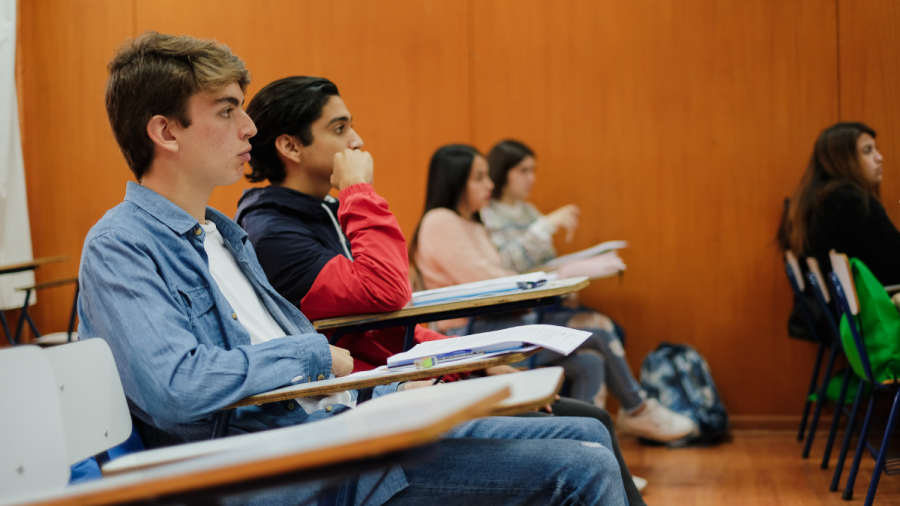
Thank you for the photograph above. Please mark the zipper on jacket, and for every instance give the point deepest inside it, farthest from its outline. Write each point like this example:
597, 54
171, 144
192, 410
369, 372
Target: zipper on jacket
340, 233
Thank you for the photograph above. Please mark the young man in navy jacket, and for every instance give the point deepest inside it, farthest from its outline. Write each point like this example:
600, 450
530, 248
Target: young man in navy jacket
337, 257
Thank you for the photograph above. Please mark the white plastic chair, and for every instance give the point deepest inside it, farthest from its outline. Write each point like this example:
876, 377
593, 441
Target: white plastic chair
91, 398
33, 455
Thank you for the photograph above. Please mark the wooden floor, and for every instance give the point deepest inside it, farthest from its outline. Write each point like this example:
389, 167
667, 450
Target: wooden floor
754, 468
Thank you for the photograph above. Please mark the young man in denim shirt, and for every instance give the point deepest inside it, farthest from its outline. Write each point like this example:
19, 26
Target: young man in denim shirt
176, 290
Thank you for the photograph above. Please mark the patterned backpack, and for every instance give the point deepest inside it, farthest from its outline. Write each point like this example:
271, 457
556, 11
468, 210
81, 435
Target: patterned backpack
678, 377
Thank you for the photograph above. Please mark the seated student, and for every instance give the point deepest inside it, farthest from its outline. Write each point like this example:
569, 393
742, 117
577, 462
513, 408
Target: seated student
175, 289
837, 205
304, 134
524, 238
451, 246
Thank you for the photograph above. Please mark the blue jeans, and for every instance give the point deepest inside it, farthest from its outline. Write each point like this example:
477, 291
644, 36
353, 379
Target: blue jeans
501, 460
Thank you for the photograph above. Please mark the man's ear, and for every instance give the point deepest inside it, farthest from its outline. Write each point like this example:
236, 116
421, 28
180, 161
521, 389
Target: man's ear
160, 130
289, 147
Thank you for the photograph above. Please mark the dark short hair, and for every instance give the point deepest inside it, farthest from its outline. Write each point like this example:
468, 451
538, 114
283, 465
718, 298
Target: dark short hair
502, 158
156, 74
286, 106
448, 179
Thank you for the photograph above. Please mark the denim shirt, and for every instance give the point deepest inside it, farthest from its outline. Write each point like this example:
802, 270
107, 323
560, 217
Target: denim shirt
146, 289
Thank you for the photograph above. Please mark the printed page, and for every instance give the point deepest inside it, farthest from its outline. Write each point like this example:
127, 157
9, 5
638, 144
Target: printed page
559, 339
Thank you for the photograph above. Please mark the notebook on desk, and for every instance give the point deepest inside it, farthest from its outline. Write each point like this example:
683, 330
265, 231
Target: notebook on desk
478, 289
562, 340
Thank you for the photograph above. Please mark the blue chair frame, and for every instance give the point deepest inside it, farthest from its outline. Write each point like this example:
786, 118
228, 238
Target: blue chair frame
818, 292
813, 382
881, 457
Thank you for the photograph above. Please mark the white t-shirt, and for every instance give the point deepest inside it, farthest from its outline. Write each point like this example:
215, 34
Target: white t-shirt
250, 311
231, 280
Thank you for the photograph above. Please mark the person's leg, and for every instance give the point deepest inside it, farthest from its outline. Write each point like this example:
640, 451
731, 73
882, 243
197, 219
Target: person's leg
570, 407
507, 460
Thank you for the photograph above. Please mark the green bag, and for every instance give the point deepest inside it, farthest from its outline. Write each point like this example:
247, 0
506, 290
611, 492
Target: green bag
879, 325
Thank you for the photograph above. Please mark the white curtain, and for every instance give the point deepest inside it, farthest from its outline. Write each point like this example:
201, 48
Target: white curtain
15, 232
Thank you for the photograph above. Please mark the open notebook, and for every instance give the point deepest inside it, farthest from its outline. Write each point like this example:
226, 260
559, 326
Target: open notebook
562, 340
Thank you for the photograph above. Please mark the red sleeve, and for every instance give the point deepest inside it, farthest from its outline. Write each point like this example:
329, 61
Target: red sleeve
376, 280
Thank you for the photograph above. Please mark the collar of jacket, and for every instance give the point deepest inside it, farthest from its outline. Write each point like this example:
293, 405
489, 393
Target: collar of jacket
285, 200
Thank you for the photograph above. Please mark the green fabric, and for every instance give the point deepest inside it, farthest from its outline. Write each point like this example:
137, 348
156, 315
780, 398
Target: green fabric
879, 326
834, 388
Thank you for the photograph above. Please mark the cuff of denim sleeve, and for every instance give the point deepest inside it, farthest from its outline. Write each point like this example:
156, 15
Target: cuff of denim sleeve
543, 229
316, 354
353, 190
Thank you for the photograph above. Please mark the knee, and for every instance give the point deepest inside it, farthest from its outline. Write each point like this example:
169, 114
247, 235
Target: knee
589, 430
591, 321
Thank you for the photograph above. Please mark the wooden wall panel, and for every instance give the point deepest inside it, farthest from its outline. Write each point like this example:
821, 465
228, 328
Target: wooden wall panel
679, 126
401, 67
73, 170
870, 82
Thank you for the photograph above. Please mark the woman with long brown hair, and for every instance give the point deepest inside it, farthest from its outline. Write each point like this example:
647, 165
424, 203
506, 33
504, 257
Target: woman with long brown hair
838, 204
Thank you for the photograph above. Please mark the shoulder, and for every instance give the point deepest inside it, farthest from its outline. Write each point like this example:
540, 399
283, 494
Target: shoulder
846, 201
124, 223
442, 217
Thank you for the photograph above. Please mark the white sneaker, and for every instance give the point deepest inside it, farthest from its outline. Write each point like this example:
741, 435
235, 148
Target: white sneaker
655, 422
639, 483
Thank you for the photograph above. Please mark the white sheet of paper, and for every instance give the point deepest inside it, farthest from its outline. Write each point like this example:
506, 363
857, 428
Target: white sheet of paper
559, 339
558, 262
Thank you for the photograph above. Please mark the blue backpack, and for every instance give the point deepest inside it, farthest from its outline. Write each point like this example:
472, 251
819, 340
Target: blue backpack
678, 377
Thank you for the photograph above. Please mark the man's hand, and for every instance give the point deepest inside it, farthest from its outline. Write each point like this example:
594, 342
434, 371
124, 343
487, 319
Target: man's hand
341, 361
351, 167
410, 385
500, 369
567, 218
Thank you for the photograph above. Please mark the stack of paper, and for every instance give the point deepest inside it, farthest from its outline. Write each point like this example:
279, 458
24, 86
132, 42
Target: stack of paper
562, 340
488, 288
558, 262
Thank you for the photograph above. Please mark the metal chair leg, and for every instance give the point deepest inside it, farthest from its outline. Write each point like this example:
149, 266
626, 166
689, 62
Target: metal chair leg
838, 411
409, 337
845, 446
882, 453
23, 317
860, 448
812, 388
820, 402
73, 314
9, 336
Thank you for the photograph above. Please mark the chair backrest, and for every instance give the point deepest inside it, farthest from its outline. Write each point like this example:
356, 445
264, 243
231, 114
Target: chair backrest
91, 397
794, 273
815, 271
845, 293
822, 296
33, 454
840, 266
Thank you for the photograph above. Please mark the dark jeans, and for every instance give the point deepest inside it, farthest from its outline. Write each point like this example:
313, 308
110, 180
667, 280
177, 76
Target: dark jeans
571, 407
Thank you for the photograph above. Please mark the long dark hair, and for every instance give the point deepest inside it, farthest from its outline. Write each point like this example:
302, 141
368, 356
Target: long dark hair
286, 106
834, 164
502, 158
448, 179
